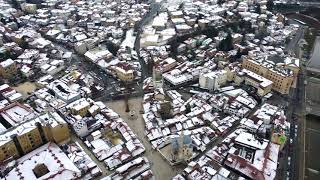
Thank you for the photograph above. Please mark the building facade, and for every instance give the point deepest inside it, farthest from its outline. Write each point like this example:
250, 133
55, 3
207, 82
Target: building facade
17, 141
124, 74
281, 81
213, 80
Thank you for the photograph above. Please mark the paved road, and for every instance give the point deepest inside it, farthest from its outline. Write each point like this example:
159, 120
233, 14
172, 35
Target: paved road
296, 116
293, 46
154, 9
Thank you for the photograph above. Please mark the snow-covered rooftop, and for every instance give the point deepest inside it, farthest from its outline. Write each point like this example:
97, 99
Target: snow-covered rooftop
48, 156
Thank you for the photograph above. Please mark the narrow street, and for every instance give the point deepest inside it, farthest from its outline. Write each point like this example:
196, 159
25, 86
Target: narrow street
154, 9
297, 117
293, 45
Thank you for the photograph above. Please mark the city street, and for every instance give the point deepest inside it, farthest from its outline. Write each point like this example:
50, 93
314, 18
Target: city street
293, 154
154, 9
113, 89
293, 45
226, 100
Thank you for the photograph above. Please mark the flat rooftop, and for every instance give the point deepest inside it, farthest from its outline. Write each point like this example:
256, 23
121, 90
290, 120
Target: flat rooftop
15, 114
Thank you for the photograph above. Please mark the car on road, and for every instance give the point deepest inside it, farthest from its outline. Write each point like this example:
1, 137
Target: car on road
291, 141
289, 161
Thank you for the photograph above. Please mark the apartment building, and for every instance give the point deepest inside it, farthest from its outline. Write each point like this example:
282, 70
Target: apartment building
262, 84
19, 140
79, 107
281, 74
124, 72
213, 80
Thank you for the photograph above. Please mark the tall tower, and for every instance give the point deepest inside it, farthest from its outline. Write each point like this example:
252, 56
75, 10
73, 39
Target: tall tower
157, 77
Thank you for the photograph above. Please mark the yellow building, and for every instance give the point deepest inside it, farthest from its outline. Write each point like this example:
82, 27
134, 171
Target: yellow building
8, 68
29, 8
8, 150
262, 84
30, 140
232, 69
124, 73
282, 74
79, 107
17, 141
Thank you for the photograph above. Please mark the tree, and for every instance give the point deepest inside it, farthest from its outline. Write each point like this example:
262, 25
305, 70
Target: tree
3, 20
180, 7
220, 2
258, 9
239, 54
188, 108
234, 26
270, 5
226, 44
7, 54
15, 4
243, 40
113, 48
150, 66
165, 110
211, 32
24, 43
262, 33
246, 26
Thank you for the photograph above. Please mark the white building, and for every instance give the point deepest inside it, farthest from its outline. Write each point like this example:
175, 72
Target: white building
63, 91
213, 80
80, 47
81, 128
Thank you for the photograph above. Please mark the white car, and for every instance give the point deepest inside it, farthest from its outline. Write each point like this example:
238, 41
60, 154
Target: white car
289, 161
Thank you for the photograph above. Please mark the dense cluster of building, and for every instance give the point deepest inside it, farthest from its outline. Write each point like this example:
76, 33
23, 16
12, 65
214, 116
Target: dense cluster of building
209, 70
258, 38
222, 79
37, 131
